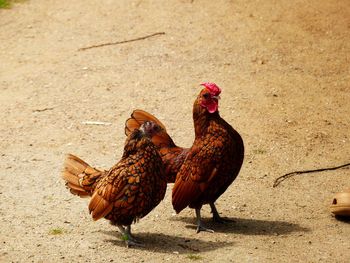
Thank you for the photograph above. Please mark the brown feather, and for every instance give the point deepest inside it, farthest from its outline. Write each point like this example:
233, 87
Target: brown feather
71, 178
142, 116
75, 187
130, 125
74, 164
79, 193
138, 117
99, 207
183, 193
76, 172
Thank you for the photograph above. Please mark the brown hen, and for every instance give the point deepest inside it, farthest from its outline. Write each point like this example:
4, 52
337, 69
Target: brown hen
129, 190
214, 160
203, 172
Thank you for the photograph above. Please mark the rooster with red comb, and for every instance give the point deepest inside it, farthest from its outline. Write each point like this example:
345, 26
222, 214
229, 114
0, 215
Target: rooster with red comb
203, 172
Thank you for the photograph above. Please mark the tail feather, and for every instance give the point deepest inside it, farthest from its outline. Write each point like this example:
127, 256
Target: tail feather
138, 117
79, 176
70, 178
74, 164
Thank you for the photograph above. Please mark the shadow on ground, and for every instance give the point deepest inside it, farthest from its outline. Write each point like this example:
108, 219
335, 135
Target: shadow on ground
247, 226
163, 243
343, 219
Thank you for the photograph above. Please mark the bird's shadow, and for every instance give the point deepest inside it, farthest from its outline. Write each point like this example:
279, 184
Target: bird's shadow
343, 219
246, 226
163, 243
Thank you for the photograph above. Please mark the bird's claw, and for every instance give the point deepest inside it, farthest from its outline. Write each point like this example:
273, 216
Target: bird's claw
131, 241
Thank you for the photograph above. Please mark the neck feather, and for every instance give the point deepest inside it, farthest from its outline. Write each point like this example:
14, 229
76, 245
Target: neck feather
201, 119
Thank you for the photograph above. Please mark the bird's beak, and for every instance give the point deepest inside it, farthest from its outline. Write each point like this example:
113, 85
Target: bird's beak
216, 97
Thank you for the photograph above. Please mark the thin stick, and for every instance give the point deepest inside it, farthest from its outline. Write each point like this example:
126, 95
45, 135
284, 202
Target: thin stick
44, 109
284, 177
121, 42
96, 123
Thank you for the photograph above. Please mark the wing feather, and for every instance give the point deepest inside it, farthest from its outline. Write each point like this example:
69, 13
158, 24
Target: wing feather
99, 207
110, 188
193, 178
183, 193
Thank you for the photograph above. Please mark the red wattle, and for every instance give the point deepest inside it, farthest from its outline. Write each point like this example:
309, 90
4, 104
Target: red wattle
212, 107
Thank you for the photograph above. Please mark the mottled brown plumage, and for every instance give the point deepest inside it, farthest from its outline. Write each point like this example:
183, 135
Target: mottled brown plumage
203, 172
172, 155
129, 190
213, 161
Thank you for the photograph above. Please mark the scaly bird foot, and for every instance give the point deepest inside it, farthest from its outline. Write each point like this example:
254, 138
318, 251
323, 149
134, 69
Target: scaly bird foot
132, 242
129, 239
200, 226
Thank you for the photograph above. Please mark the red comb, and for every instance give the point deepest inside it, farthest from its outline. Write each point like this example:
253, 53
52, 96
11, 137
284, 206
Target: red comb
212, 87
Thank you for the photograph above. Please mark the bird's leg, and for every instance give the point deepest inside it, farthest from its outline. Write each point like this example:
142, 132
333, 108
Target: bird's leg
131, 237
128, 238
200, 226
128, 231
121, 229
216, 217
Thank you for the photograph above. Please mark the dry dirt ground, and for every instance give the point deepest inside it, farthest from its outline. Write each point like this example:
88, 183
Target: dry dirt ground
284, 67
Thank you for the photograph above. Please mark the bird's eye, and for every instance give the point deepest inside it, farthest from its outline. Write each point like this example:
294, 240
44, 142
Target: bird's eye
206, 95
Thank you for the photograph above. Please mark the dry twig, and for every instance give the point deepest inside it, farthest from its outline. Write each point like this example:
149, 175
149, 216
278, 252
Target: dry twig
284, 177
122, 42
96, 123
44, 109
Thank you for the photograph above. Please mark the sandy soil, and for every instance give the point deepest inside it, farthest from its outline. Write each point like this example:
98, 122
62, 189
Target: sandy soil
284, 70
